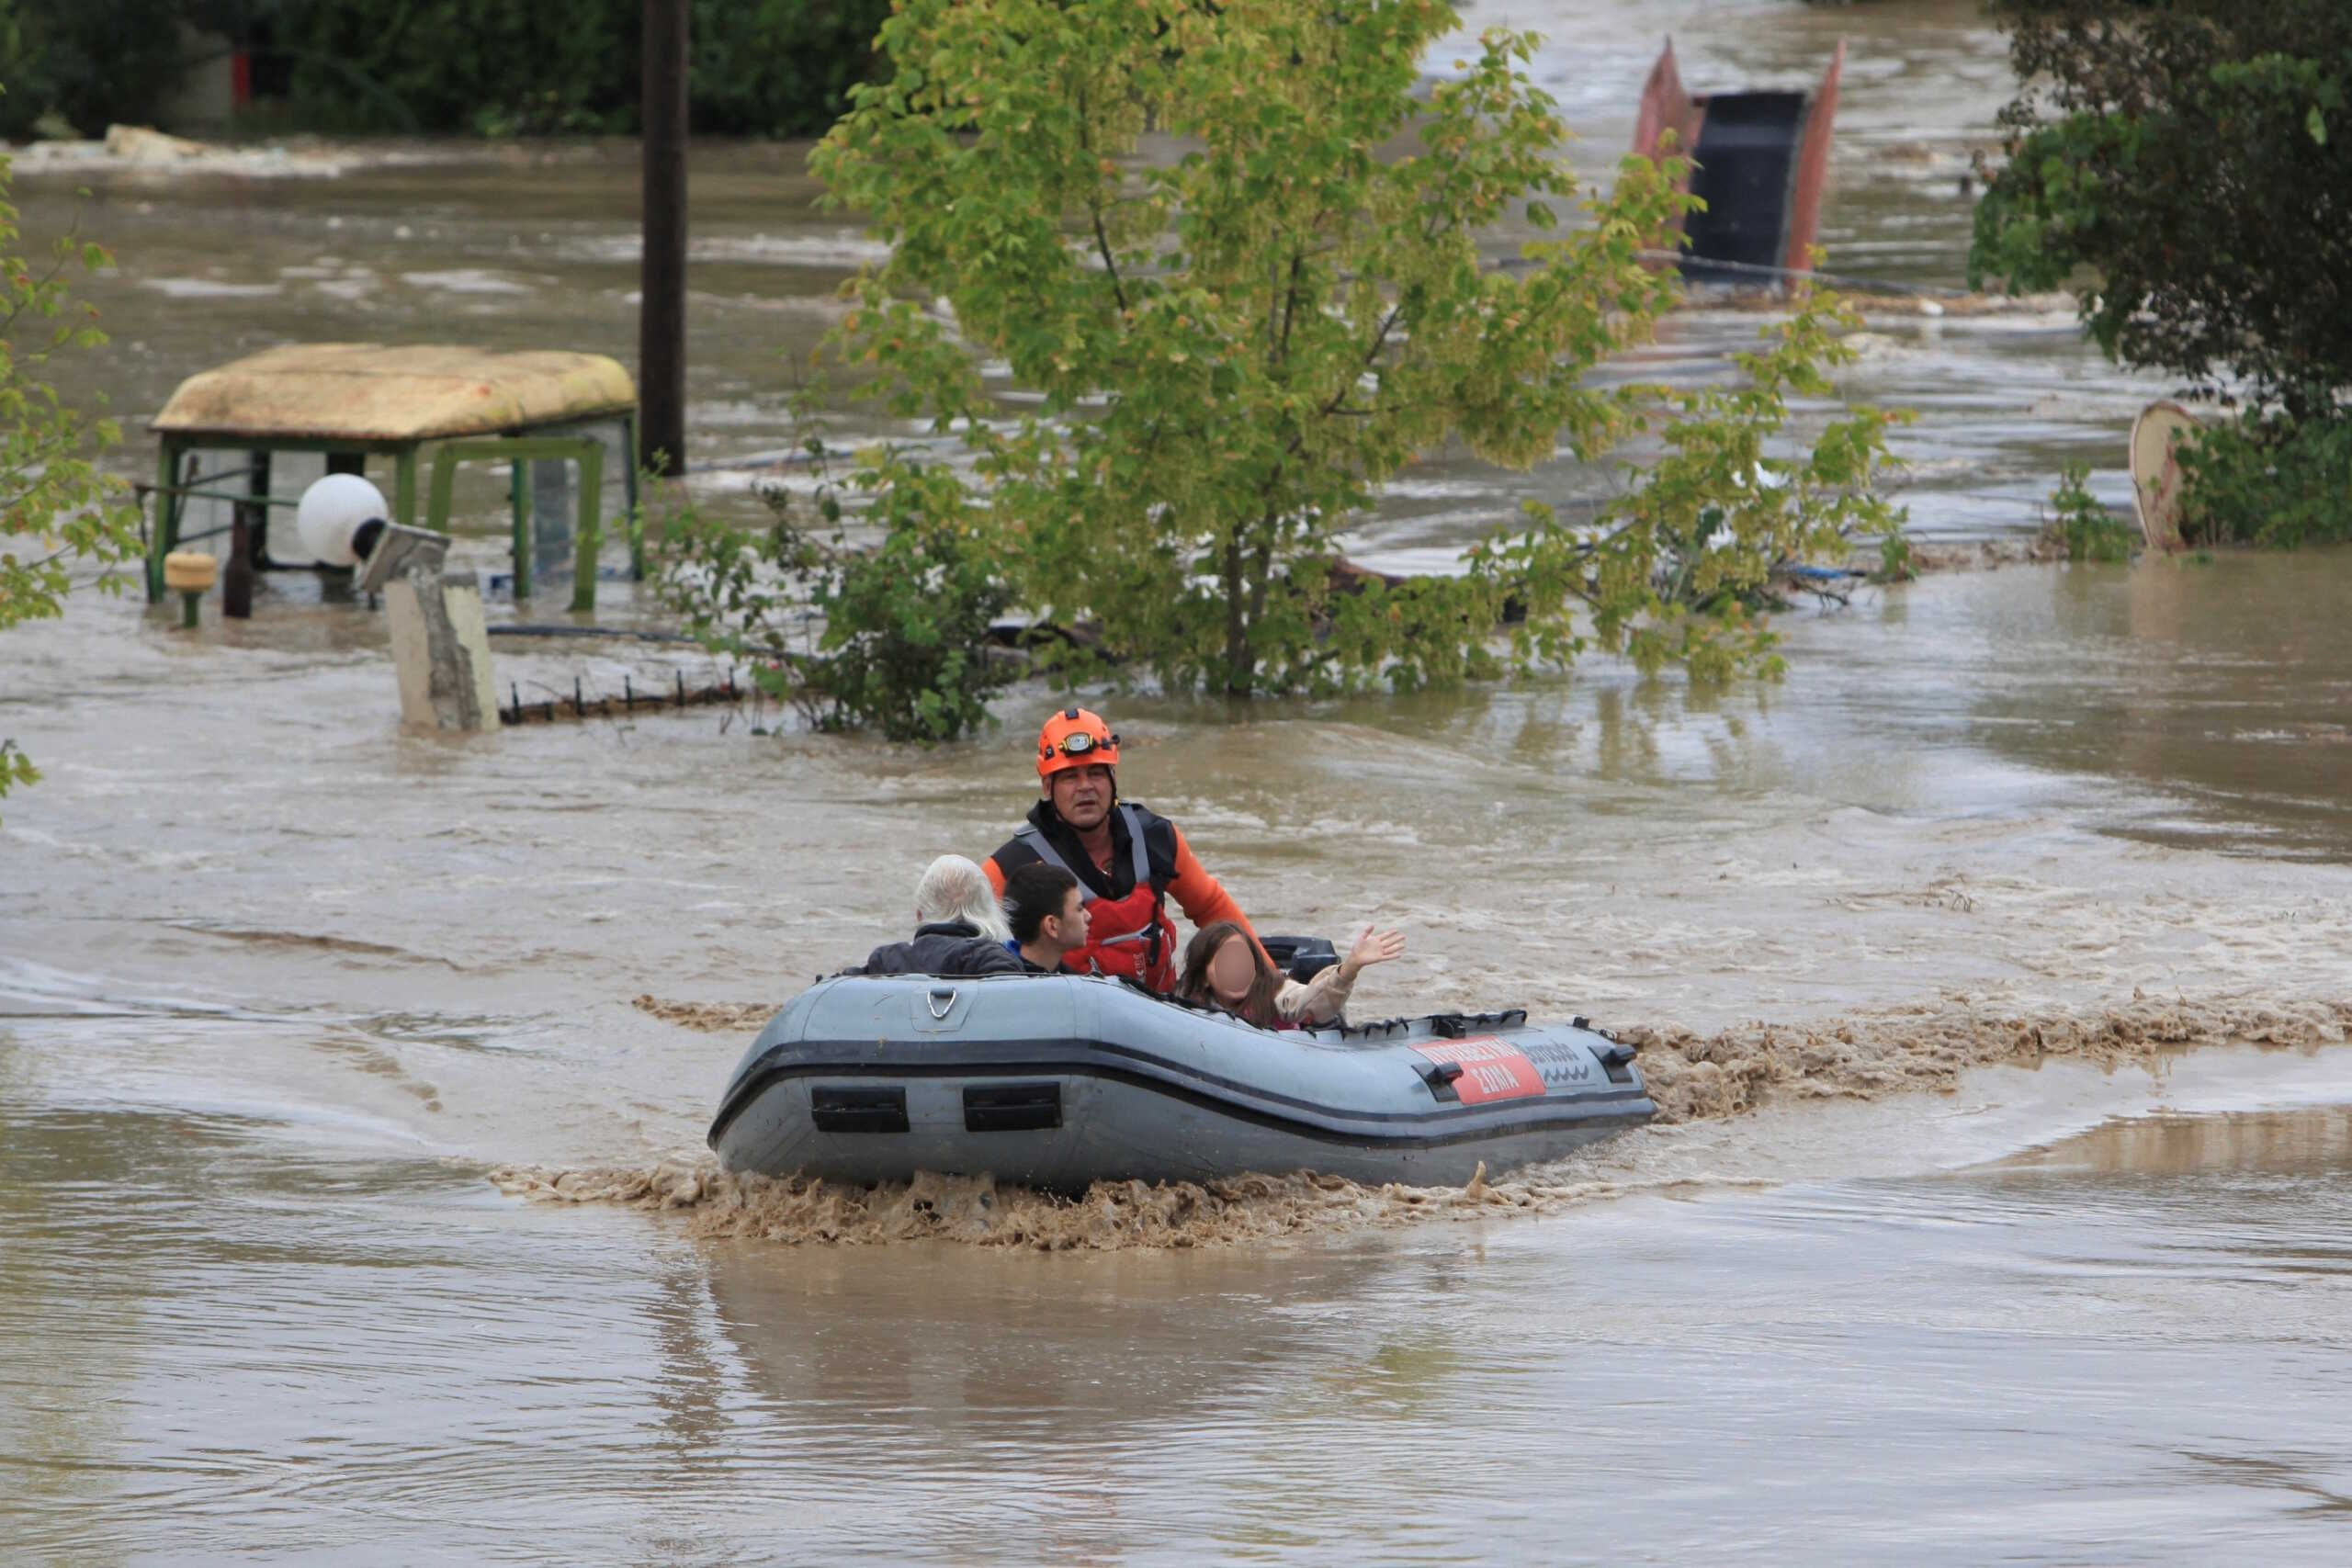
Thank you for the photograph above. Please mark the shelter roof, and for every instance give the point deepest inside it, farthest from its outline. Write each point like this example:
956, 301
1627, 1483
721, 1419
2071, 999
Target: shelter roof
366, 392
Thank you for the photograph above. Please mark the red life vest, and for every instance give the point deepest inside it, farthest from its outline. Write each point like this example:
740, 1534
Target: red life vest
1131, 936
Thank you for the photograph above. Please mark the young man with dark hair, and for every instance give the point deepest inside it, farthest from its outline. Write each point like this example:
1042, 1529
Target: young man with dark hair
1043, 905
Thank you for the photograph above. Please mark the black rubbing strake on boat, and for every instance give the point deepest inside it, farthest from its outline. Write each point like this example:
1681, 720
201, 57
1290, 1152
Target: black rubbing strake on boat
838, 1108
1013, 1107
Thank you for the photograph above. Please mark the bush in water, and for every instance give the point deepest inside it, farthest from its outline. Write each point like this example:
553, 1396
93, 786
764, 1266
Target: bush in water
891, 637
56, 509
2190, 164
2083, 524
2269, 481
1231, 255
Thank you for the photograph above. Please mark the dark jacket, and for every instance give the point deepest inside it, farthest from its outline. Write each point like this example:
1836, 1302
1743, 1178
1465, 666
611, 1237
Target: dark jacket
950, 948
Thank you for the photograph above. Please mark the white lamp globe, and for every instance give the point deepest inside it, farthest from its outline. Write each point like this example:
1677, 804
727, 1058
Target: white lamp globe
330, 511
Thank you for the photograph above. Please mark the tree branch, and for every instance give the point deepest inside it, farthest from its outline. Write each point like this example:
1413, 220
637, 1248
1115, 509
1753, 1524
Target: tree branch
1094, 212
35, 290
1102, 247
1290, 306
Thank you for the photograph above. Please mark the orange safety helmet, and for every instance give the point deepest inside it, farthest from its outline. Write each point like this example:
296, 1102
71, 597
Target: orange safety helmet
1075, 738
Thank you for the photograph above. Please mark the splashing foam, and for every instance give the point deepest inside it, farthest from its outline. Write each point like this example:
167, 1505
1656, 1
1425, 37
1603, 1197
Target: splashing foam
978, 1211
1692, 1077
1695, 1077
712, 1018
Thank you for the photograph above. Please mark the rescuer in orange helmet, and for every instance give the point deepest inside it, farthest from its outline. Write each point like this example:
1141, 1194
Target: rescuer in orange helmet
1128, 862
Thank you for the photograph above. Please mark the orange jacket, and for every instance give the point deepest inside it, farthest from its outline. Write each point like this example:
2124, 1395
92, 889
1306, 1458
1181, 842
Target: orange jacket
1202, 896
1195, 892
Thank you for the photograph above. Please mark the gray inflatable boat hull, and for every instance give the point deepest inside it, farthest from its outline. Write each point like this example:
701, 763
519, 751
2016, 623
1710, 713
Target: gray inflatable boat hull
1064, 1080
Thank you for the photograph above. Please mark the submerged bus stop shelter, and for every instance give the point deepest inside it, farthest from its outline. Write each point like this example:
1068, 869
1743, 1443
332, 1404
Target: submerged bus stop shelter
423, 407
1760, 165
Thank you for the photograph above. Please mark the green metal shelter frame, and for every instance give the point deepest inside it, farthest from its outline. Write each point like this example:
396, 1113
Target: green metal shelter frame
354, 402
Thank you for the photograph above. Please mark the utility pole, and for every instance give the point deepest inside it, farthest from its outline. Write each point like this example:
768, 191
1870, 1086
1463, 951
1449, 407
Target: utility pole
662, 318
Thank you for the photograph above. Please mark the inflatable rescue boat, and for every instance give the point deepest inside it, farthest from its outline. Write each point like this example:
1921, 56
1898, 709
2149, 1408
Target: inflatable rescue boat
1058, 1081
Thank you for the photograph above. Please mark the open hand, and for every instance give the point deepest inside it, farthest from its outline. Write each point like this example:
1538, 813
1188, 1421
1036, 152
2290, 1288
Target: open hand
1372, 946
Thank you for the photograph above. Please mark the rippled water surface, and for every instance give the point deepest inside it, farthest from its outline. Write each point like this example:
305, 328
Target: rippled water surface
280, 987
218, 1337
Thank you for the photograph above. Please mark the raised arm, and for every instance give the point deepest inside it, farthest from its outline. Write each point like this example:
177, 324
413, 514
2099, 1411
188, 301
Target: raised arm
1321, 1000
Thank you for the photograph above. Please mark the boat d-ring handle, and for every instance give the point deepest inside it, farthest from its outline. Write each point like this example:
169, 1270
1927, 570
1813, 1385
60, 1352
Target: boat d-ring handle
942, 1001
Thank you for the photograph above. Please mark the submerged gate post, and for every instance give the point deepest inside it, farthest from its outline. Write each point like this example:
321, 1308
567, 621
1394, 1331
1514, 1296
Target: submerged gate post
248, 540
166, 537
441, 651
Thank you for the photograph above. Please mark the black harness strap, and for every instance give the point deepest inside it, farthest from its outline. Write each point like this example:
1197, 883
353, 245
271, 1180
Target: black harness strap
1140, 857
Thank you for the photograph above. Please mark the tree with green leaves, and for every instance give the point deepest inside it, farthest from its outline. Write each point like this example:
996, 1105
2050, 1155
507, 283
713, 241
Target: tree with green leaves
2188, 165
57, 511
87, 65
1235, 258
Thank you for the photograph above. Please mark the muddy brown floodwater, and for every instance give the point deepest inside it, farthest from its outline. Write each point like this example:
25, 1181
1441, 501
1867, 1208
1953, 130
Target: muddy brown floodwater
1993, 970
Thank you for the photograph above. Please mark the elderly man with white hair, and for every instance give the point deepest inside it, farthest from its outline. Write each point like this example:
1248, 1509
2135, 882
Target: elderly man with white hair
959, 929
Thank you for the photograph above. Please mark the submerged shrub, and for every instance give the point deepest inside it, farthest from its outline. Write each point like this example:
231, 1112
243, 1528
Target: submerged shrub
2269, 480
2083, 524
891, 635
